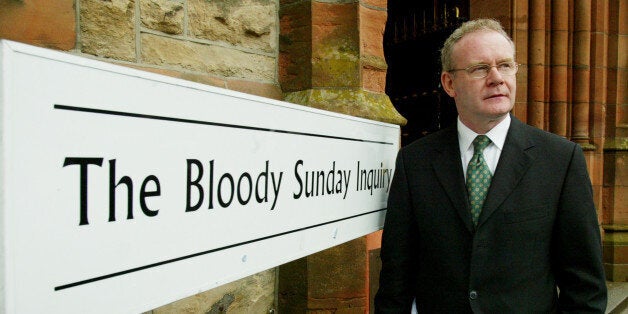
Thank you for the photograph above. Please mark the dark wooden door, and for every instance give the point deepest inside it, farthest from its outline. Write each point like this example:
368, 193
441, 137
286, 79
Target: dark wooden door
415, 32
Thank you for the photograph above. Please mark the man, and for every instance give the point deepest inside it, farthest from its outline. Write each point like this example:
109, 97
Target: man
502, 224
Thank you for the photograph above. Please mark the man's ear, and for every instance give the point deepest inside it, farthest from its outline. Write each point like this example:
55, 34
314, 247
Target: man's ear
447, 81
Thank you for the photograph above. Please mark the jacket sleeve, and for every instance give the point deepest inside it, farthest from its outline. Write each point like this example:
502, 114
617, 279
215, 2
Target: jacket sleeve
395, 294
576, 245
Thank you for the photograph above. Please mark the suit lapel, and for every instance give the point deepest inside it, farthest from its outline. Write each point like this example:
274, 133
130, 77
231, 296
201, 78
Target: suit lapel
448, 168
514, 161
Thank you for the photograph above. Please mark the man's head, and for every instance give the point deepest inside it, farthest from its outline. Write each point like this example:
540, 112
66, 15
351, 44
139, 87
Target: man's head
479, 68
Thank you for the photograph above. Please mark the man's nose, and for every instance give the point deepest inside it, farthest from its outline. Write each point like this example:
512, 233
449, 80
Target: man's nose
494, 77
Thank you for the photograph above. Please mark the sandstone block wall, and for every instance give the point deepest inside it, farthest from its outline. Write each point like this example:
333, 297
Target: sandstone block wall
226, 43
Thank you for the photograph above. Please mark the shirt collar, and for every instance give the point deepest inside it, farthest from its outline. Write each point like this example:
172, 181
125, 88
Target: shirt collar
497, 134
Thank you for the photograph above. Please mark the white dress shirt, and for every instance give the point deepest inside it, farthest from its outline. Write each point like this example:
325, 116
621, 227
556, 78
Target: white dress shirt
491, 153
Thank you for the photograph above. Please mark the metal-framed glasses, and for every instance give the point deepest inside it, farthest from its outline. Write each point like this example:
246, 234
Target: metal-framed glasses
481, 70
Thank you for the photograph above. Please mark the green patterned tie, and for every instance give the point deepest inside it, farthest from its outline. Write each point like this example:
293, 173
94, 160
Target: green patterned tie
478, 177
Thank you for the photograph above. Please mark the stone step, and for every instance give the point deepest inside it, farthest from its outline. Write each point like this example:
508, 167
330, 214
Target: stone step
617, 298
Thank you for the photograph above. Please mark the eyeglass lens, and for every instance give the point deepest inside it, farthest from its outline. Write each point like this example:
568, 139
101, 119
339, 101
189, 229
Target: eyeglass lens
482, 70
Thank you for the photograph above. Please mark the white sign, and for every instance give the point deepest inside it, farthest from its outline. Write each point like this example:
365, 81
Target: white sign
124, 190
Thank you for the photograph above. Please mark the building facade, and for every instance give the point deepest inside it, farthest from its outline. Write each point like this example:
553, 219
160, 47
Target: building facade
349, 56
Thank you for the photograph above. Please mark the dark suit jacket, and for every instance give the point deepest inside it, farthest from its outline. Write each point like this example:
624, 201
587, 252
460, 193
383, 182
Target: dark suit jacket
538, 231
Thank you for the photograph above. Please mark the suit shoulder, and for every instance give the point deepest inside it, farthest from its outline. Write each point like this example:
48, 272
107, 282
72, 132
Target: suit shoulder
547, 139
431, 141
546, 136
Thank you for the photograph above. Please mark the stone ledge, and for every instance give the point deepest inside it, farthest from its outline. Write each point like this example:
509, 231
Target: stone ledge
616, 272
355, 102
616, 144
615, 228
615, 235
587, 146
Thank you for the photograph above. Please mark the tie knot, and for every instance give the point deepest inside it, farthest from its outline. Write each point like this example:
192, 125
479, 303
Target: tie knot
480, 143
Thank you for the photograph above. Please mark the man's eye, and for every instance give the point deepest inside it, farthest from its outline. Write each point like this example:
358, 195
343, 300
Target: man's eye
506, 66
481, 68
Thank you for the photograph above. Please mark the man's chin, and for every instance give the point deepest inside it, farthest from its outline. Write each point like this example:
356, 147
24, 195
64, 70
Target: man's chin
499, 110
499, 116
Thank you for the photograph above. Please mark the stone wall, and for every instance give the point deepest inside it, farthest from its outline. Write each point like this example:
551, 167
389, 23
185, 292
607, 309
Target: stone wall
253, 294
225, 43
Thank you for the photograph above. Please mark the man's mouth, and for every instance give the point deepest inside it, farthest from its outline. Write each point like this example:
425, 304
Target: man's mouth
495, 96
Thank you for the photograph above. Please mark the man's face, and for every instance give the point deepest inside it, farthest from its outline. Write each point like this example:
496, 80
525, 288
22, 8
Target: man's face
480, 100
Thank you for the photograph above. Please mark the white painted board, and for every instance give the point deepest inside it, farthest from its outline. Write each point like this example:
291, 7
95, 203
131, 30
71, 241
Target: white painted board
124, 190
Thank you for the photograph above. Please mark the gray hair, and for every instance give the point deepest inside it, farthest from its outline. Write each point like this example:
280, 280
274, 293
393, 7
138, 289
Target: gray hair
467, 28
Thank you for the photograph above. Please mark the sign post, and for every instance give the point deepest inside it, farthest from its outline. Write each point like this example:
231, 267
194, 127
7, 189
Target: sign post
122, 190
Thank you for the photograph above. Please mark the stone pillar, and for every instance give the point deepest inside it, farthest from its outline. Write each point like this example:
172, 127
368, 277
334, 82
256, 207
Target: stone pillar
615, 241
45, 23
559, 57
581, 71
520, 36
615, 189
331, 281
599, 64
331, 57
536, 58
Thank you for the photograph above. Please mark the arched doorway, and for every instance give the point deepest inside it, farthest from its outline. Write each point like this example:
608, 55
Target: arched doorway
415, 32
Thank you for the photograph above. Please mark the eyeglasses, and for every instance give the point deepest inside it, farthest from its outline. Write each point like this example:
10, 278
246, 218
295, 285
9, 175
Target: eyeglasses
481, 70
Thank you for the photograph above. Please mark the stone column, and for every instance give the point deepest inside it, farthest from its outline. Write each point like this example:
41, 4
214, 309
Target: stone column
520, 36
331, 57
559, 56
615, 189
615, 242
45, 23
536, 58
581, 71
599, 64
